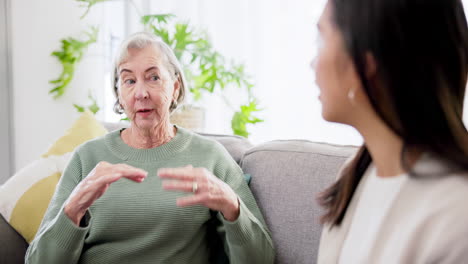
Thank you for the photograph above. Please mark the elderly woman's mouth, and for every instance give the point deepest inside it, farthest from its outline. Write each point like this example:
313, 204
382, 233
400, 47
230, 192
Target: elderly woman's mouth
145, 112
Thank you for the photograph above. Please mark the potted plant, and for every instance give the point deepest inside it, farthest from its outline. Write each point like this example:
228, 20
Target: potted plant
206, 70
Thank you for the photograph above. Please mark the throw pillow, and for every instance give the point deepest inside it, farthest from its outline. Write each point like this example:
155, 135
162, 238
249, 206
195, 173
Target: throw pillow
25, 197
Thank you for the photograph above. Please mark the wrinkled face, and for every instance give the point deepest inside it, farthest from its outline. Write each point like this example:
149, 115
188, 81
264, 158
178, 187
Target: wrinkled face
335, 73
146, 87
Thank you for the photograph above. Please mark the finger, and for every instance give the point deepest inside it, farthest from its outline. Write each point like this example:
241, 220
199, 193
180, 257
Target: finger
131, 173
115, 175
183, 186
126, 167
117, 171
86, 196
183, 174
191, 200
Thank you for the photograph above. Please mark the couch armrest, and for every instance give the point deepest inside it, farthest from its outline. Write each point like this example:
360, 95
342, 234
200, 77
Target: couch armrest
12, 245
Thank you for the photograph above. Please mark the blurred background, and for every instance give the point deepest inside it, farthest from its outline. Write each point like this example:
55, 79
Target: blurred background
274, 40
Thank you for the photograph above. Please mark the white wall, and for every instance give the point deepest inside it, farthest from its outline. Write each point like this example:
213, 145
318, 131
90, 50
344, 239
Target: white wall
38, 119
37, 27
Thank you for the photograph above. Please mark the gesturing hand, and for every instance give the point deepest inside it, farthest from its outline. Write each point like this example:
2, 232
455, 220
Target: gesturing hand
208, 190
96, 184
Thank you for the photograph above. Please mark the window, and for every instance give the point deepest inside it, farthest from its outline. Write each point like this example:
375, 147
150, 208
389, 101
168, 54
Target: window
275, 39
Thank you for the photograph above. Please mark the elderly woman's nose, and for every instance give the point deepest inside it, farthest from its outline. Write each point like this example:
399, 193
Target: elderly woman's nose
141, 91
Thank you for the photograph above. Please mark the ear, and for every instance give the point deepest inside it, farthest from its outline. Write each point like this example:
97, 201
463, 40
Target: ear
371, 66
176, 92
121, 101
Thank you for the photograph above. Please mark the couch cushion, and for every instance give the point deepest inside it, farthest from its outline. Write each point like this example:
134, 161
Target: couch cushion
286, 177
235, 145
85, 128
13, 246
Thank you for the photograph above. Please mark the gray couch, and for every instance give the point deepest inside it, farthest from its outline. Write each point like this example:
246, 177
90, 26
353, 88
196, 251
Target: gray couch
286, 177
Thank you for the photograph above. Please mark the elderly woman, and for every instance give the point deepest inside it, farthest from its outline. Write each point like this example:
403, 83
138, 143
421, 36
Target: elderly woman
154, 192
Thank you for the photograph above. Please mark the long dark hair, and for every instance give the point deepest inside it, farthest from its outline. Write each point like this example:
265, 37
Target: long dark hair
421, 51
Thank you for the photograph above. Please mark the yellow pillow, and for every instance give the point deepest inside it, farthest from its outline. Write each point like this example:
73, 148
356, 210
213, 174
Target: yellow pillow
84, 129
25, 197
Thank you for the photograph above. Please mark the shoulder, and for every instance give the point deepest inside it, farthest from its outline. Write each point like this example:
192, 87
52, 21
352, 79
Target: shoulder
442, 215
436, 183
205, 144
446, 192
438, 204
221, 162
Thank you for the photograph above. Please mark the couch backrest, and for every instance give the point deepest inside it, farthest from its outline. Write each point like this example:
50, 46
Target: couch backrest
235, 145
286, 178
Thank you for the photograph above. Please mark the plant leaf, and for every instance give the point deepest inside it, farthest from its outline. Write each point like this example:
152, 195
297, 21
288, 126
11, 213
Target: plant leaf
80, 109
161, 18
242, 118
88, 4
71, 52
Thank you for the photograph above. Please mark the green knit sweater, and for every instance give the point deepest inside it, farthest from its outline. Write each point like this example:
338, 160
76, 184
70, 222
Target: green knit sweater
140, 222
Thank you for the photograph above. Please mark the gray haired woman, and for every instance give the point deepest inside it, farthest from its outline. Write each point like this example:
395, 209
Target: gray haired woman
151, 193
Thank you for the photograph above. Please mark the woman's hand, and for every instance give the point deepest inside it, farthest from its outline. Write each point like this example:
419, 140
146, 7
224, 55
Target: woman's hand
96, 184
208, 190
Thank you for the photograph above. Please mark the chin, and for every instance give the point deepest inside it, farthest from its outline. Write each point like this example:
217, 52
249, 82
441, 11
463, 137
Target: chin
327, 117
331, 116
144, 123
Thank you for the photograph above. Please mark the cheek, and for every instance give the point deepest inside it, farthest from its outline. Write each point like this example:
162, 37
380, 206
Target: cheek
327, 70
331, 79
322, 71
161, 96
167, 93
125, 99
327, 74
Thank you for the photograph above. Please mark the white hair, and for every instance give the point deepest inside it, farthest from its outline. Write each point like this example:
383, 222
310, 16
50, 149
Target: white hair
140, 41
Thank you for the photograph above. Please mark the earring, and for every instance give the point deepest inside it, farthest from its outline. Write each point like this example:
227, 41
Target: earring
173, 105
351, 95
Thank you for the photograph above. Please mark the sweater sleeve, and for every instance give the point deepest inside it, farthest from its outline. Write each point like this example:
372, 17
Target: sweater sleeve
247, 240
58, 239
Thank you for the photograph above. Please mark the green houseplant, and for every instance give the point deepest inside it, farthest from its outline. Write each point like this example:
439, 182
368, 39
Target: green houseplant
69, 55
207, 70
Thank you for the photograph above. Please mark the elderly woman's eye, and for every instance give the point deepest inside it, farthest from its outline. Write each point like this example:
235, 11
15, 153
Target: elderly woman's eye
154, 78
129, 81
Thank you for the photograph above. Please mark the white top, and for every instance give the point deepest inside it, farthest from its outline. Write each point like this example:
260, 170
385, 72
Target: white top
419, 221
377, 198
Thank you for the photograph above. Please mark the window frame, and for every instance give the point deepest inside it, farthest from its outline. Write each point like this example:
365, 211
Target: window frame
6, 135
